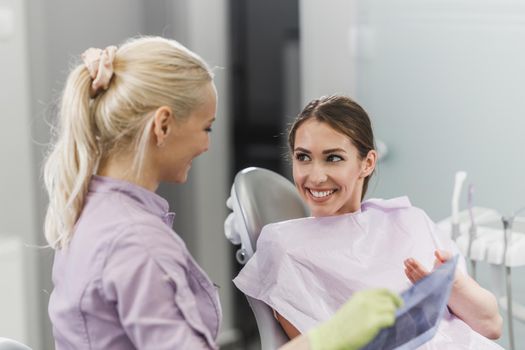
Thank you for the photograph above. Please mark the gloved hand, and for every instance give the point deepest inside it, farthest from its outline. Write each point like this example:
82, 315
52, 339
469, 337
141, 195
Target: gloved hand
357, 322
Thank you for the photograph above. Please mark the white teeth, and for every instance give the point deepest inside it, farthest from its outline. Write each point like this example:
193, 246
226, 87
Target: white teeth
321, 194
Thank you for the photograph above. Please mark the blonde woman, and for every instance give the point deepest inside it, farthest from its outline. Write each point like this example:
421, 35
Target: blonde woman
130, 118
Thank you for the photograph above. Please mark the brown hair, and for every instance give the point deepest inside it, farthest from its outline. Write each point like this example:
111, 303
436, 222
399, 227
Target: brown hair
343, 115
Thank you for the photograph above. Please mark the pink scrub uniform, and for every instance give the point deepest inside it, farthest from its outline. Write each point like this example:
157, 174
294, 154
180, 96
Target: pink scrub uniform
127, 281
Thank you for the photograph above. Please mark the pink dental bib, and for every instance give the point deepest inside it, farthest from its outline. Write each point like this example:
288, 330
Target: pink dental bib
305, 269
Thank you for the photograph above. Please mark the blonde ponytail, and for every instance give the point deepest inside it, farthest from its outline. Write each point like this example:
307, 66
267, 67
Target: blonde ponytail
71, 163
148, 73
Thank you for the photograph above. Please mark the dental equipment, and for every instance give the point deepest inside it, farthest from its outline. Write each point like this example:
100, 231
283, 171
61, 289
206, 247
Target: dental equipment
458, 183
478, 234
508, 222
507, 231
472, 232
10, 344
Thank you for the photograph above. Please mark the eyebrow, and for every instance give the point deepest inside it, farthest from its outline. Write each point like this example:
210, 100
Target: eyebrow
326, 151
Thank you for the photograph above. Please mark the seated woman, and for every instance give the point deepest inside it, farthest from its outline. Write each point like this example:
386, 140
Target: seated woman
305, 269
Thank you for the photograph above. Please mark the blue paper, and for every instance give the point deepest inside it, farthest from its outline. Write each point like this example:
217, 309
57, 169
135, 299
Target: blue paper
418, 319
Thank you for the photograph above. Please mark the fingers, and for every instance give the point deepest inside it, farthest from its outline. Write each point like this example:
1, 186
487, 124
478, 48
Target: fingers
385, 305
358, 321
412, 275
386, 320
442, 255
380, 300
386, 296
378, 306
368, 305
414, 270
396, 299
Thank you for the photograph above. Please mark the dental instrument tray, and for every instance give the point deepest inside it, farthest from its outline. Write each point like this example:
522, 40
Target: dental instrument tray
418, 319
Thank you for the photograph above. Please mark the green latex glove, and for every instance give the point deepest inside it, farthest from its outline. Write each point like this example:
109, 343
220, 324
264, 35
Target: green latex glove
357, 322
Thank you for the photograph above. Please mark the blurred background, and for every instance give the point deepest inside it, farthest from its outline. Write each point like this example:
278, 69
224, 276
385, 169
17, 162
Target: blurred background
443, 81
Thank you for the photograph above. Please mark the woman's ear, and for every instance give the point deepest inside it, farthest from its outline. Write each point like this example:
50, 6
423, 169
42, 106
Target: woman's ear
162, 124
369, 163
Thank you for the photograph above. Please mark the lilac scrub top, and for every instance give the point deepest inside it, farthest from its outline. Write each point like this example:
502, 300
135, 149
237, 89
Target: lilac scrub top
127, 281
306, 269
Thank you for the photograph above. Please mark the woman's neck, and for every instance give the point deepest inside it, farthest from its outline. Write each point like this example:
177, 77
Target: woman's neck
122, 169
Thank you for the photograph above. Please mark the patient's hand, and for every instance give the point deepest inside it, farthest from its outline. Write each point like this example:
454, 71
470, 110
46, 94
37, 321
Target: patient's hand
415, 271
468, 300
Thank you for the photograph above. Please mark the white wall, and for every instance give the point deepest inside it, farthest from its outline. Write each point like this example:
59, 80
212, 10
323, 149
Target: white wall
443, 84
325, 48
13, 293
17, 209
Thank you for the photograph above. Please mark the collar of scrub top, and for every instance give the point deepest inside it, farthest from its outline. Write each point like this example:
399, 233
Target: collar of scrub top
148, 200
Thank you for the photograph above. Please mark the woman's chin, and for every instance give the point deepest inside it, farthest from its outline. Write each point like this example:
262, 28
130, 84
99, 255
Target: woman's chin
178, 178
321, 212
182, 178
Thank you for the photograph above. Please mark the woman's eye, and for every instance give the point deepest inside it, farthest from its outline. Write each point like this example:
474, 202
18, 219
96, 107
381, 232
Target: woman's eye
334, 158
302, 157
208, 129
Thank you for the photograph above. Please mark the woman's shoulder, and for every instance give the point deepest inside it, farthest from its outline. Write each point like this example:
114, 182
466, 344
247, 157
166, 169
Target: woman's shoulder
397, 205
148, 245
390, 204
274, 231
138, 231
399, 210
279, 236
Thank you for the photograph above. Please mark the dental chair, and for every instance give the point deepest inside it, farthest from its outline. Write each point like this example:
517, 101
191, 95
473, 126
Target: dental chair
260, 197
9, 344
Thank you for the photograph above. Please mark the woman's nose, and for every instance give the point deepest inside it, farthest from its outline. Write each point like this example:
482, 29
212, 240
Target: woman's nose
318, 175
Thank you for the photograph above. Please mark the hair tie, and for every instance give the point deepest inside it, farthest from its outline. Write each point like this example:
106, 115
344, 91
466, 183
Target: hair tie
99, 64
